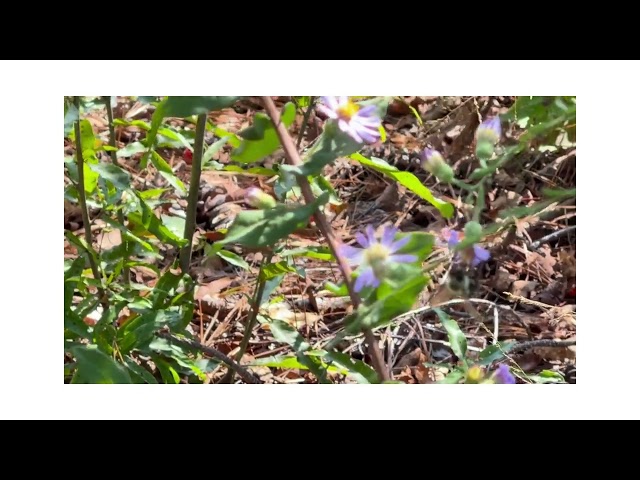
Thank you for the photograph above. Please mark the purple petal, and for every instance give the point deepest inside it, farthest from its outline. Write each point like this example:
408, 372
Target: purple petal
400, 243
366, 278
503, 375
342, 100
353, 254
371, 234
367, 111
331, 102
403, 258
480, 255
388, 234
362, 240
454, 238
369, 136
349, 130
327, 111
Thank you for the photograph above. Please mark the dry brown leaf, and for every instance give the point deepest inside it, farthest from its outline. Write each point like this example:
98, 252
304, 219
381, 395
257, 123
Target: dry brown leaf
107, 240
523, 288
211, 290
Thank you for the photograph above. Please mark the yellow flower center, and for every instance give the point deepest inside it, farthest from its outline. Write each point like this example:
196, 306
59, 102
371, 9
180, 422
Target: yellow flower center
376, 256
349, 110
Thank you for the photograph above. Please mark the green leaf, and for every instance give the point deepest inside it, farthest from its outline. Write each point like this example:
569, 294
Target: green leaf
167, 283
87, 137
259, 228
140, 372
147, 220
168, 373
456, 337
127, 234
187, 106
495, 352
137, 333
269, 287
361, 372
285, 333
165, 170
547, 376
71, 276
261, 138
90, 178
320, 253
95, 366
395, 296
453, 377
275, 269
176, 136
233, 259
213, 149
174, 223
407, 180
130, 150
118, 177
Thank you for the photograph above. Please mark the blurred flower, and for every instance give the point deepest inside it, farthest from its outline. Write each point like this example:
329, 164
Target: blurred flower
433, 163
360, 123
376, 255
259, 199
476, 254
489, 131
475, 374
487, 135
503, 375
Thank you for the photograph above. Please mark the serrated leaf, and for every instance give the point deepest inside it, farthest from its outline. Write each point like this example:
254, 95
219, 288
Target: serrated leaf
118, 177
456, 338
259, 228
233, 259
407, 180
261, 138
95, 366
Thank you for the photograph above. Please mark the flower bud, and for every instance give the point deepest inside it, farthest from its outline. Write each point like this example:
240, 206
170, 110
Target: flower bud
503, 375
487, 136
433, 163
475, 374
259, 199
473, 230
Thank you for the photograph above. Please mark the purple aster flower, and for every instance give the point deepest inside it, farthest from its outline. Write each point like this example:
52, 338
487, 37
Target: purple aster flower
489, 131
480, 254
503, 375
360, 123
376, 255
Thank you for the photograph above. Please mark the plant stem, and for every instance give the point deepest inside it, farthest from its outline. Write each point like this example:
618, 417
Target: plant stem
194, 187
294, 158
251, 322
82, 198
305, 120
480, 203
112, 142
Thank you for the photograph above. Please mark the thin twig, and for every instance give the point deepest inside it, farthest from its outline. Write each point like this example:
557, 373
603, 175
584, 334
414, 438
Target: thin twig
293, 157
541, 343
245, 374
552, 236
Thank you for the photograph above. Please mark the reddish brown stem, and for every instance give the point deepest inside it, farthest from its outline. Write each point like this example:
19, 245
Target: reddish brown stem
293, 157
